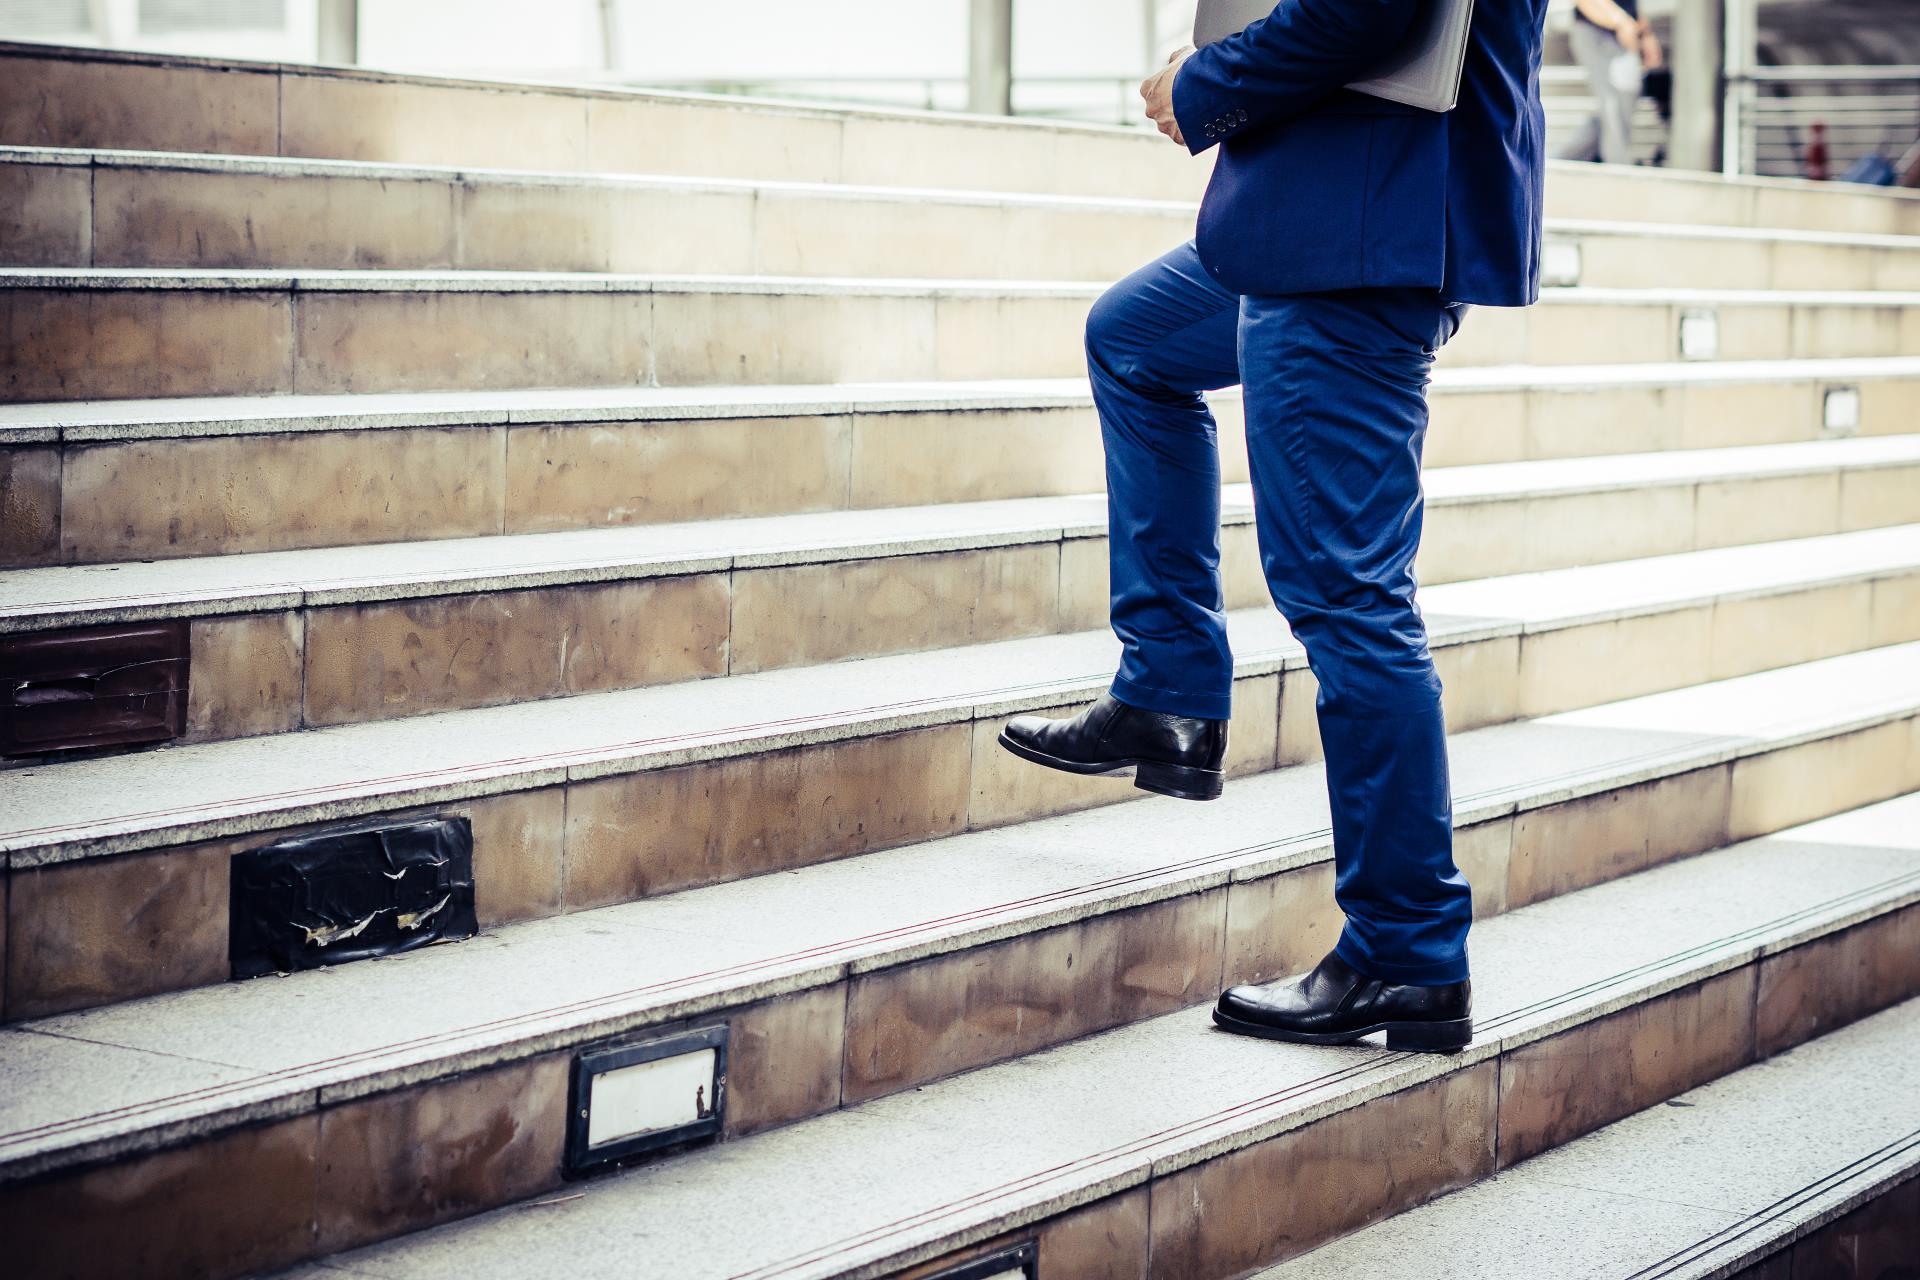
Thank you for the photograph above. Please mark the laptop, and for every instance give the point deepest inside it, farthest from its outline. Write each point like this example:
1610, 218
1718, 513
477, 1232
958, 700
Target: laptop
1424, 72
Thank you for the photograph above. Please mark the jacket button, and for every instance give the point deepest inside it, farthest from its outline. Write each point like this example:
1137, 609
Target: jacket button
1241, 115
1212, 132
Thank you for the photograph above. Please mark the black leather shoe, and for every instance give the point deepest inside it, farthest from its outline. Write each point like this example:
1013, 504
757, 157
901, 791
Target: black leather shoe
1172, 755
1335, 1005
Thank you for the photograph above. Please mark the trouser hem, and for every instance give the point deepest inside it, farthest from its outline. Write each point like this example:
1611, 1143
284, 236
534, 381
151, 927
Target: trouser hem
1168, 702
1437, 974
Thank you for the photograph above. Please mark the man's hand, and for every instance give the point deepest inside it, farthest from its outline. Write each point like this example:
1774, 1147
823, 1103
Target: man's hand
1652, 56
1157, 91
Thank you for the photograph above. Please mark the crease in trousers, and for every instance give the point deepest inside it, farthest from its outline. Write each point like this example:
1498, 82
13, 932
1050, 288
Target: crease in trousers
1336, 411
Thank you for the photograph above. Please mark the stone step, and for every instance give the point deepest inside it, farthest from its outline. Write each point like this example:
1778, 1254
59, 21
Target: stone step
302, 639
114, 332
1801, 1165
91, 481
140, 209
436, 1086
90, 98
597, 799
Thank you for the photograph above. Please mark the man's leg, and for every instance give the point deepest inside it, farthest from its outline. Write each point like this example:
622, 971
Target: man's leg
1336, 417
1155, 341
1595, 51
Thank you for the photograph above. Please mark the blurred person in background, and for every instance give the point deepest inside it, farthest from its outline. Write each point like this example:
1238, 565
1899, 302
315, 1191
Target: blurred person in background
1618, 50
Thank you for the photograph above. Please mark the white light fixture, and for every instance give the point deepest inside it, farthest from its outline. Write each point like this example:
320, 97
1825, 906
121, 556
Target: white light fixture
632, 1098
1840, 411
1699, 334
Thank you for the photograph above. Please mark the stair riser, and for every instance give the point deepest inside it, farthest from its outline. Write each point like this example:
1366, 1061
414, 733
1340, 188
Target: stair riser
389, 654
107, 342
367, 1168
169, 105
83, 502
548, 848
123, 216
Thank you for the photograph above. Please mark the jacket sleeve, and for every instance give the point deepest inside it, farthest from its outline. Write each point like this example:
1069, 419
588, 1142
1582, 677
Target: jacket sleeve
1283, 64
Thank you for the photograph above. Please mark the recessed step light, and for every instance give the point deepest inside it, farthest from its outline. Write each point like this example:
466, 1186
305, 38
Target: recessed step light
1840, 411
1699, 334
632, 1098
91, 687
1021, 1262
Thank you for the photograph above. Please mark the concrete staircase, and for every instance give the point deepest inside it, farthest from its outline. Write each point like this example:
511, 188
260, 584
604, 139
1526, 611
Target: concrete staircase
681, 491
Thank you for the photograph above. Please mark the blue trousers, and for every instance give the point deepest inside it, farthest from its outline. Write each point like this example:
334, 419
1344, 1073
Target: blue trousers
1335, 393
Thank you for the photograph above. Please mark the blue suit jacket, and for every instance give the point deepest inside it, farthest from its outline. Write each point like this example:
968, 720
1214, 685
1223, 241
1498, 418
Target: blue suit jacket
1319, 188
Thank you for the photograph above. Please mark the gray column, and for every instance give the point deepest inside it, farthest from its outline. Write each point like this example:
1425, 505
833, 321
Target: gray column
339, 32
1697, 57
1742, 51
990, 58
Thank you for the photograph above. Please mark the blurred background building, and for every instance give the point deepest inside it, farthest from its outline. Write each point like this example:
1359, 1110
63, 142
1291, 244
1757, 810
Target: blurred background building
1850, 66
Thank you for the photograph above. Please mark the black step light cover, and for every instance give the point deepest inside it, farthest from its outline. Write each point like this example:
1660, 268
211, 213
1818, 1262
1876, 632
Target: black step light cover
349, 893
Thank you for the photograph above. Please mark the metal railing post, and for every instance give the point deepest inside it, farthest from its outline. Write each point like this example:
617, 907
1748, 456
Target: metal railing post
1742, 50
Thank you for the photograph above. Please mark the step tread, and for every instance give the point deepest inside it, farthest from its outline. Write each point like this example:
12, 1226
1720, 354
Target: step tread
1720, 1177
113, 804
88, 420
454, 280
388, 171
170, 1063
201, 585
1008, 1144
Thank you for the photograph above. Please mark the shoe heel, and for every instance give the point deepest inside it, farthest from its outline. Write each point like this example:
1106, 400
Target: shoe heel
1183, 782
1431, 1037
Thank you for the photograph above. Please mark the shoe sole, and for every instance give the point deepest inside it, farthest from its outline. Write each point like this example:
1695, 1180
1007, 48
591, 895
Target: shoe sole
1450, 1036
1182, 782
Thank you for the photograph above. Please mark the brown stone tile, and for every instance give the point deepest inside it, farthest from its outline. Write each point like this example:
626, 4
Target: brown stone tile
653, 832
1767, 632
1888, 407
1565, 423
934, 1268
931, 1018
364, 118
1299, 740
96, 932
1463, 540
652, 135
800, 614
1594, 334
374, 661
1780, 789
1281, 925
29, 505
1734, 513
1279, 1198
1484, 852
46, 214
801, 234
56, 102
97, 344
1718, 417
405, 1160
1688, 813
1243, 579
519, 841
1009, 789
1569, 846
1778, 1267
1896, 610
188, 218
1880, 497
153, 499
414, 341
1759, 333
783, 1059
1877, 1241
1086, 602
702, 338
1481, 682
1487, 426
905, 459
574, 477
6, 878
1011, 337
1651, 653
236, 1204
1825, 984
1598, 528
245, 677
1820, 332
1556, 1089
1106, 1240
